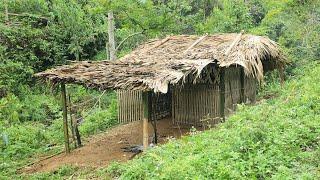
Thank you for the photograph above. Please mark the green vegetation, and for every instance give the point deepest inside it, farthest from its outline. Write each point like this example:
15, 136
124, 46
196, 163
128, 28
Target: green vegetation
279, 138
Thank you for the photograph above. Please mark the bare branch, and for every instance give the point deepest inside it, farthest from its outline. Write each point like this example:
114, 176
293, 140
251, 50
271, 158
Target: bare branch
27, 15
125, 39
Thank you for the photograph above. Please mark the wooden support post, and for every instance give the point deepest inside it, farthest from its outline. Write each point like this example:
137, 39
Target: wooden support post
242, 97
155, 132
112, 43
146, 116
154, 119
65, 117
222, 93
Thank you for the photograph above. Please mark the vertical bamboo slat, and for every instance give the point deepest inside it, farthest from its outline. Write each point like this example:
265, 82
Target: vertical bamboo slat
173, 113
118, 105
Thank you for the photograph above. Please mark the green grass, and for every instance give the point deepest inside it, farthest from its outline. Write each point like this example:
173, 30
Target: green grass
23, 140
277, 139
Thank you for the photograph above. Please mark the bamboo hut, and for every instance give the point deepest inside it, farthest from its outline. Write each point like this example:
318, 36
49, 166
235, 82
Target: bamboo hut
185, 77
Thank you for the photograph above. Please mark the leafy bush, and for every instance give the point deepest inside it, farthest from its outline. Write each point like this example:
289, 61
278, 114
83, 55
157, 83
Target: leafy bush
99, 120
42, 108
13, 77
23, 140
233, 16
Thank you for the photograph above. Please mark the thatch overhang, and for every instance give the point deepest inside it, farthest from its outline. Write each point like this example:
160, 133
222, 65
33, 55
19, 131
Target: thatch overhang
162, 62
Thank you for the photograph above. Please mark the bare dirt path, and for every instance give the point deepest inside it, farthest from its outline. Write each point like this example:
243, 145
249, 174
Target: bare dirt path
104, 148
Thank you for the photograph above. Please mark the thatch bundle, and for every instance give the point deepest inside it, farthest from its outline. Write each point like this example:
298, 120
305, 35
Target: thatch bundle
158, 63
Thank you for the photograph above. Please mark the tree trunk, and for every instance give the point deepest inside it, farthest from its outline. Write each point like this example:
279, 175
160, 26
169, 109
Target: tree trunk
146, 97
112, 44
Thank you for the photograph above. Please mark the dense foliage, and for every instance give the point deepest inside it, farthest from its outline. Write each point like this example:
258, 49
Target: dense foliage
40, 34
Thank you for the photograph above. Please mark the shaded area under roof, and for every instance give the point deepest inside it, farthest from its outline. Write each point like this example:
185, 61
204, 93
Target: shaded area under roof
158, 63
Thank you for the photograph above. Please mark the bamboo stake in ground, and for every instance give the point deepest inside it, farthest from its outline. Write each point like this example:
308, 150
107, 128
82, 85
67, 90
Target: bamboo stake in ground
65, 117
76, 132
71, 123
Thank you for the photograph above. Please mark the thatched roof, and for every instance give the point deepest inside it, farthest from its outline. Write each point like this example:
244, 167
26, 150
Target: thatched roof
158, 63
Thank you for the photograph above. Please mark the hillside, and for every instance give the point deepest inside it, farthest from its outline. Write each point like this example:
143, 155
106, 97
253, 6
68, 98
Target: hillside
277, 138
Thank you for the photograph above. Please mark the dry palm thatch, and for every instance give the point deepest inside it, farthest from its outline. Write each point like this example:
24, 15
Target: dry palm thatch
158, 63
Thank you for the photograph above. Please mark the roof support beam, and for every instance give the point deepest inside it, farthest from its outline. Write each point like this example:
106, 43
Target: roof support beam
195, 43
65, 117
234, 43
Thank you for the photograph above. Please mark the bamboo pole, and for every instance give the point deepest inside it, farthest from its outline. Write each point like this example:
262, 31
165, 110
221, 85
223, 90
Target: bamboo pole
118, 99
195, 43
134, 99
125, 109
173, 105
128, 100
65, 117
112, 44
234, 43
121, 106
177, 106
155, 132
76, 132
146, 117
222, 93
242, 98
71, 122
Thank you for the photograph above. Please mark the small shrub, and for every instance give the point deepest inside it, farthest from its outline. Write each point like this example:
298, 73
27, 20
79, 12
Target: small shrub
99, 120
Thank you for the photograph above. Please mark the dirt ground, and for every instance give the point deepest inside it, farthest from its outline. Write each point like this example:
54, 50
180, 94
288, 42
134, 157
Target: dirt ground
101, 149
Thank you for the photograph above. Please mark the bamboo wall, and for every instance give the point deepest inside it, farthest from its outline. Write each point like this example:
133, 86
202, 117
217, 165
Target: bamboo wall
130, 107
250, 89
198, 103
232, 89
192, 104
